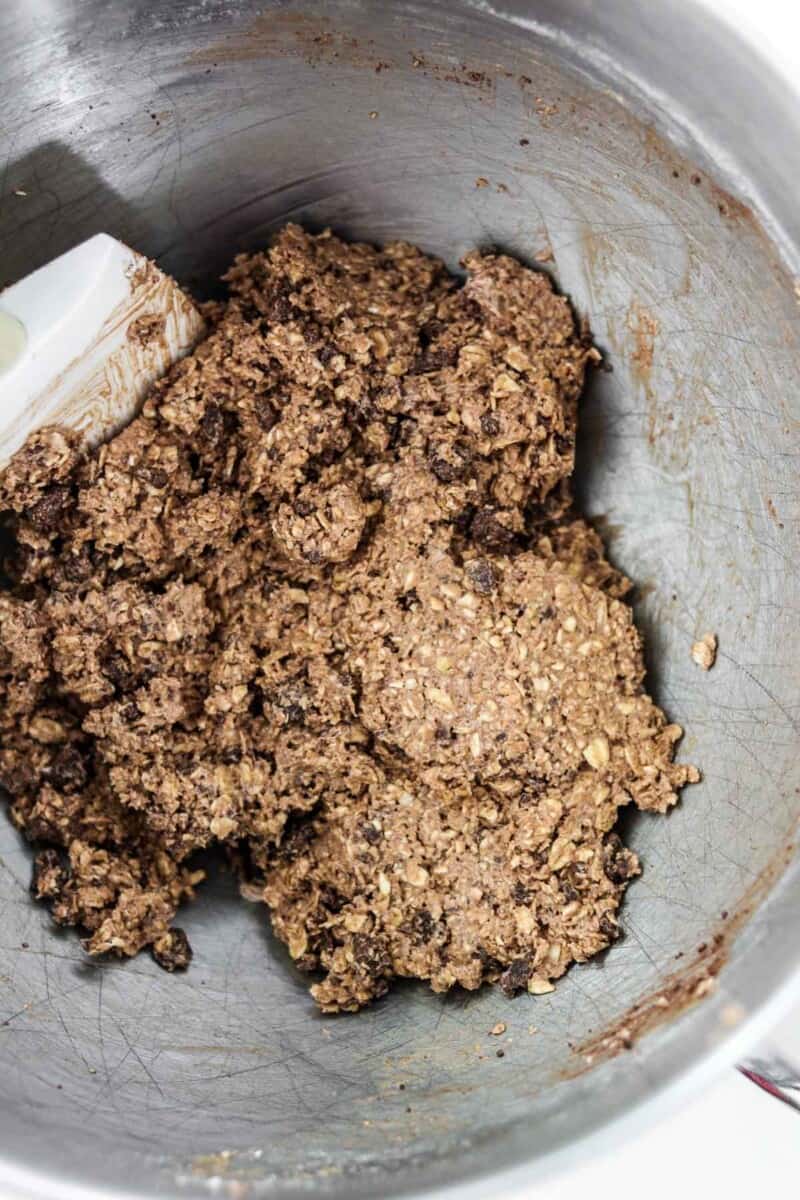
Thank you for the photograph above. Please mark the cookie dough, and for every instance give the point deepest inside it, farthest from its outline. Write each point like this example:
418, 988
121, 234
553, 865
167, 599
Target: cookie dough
327, 602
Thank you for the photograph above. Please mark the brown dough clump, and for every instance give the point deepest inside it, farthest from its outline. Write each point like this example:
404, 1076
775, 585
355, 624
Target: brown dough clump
326, 602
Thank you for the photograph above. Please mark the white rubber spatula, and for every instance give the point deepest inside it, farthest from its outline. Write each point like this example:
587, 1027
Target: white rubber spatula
84, 338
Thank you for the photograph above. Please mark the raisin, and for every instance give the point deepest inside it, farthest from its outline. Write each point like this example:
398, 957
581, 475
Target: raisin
370, 955
298, 834
609, 928
573, 880
212, 424
49, 511
264, 413
77, 565
430, 331
618, 863
158, 477
289, 702
482, 575
532, 788
422, 926
515, 977
408, 600
279, 307
116, 667
434, 360
489, 532
68, 771
492, 967
331, 898
370, 834
449, 470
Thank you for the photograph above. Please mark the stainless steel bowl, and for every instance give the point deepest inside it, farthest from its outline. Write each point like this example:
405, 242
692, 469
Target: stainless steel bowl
654, 156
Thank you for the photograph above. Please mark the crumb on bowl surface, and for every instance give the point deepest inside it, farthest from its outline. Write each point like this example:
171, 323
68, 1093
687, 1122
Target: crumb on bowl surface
704, 651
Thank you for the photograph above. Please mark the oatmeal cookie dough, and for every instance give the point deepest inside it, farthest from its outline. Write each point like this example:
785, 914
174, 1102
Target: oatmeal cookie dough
500, 670
386, 881
327, 602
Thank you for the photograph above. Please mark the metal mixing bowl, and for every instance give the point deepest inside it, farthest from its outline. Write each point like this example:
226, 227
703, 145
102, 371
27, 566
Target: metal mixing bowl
654, 156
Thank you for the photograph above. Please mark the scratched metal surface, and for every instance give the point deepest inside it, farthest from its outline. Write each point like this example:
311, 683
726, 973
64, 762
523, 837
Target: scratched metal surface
192, 130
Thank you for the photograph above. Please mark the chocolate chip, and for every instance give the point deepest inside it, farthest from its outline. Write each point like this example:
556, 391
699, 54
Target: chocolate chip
490, 425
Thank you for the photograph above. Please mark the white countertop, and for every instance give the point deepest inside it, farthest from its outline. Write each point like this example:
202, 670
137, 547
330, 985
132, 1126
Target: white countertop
732, 1141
